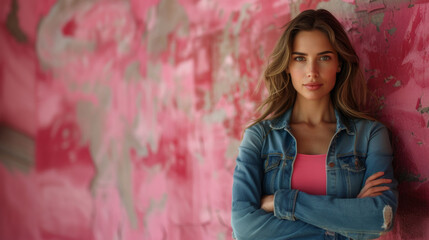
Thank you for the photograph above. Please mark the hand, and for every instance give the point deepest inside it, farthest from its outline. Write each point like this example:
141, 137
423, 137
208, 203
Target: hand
372, 186
267, 203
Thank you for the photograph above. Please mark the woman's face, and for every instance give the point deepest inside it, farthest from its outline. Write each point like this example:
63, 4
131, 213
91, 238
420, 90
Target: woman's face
313, 65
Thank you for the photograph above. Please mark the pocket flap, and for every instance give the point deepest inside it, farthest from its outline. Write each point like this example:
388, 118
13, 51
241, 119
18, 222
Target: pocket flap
272, 161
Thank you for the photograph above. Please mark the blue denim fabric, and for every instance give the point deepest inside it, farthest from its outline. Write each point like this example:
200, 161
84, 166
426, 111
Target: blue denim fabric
358, 149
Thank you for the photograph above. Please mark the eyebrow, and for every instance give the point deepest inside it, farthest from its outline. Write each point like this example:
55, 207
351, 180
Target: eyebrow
305, 54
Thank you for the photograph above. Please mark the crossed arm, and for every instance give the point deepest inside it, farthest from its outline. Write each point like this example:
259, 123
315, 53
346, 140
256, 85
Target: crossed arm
293, 214
373, 187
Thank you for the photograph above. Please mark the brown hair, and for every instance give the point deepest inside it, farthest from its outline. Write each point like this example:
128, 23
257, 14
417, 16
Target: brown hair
349, 95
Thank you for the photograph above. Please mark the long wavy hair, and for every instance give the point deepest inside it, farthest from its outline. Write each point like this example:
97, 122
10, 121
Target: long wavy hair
349, 95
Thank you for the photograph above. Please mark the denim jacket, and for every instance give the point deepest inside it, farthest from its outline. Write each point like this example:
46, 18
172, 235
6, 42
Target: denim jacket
358, 149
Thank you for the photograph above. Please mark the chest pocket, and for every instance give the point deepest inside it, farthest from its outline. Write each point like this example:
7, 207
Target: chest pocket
271, 169
353, 169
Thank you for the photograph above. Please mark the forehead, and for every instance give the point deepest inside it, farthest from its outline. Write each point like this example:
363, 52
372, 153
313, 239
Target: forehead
311, 41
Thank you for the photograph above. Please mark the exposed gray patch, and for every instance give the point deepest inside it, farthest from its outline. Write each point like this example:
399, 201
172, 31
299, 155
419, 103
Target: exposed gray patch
221, 236
243, 16
172, 58
150, 118
199, 157
91, 120
217, 116
52, 47
232, 150
377, 19
154, 71
294, 7
170, 14
340, 8
408, 176
125, 184
112, 161
155, 205
226, 73
132, 72
16, 150
423, 110
227, 45
12, 23
207, 101
392, 31
261, 52
388, 79
397, 84
131, 138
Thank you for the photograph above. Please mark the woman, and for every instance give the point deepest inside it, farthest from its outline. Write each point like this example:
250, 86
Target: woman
314, 165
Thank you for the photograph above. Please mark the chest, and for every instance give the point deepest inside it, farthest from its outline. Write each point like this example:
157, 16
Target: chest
345, 163
313, 140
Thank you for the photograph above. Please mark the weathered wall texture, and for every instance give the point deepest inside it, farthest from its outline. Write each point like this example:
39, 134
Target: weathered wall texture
125, 116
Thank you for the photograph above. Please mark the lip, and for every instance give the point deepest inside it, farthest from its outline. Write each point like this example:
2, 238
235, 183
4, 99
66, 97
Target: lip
313, 86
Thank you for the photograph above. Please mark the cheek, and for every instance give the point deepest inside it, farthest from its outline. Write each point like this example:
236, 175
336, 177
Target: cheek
296, 71
296, 76
331, 72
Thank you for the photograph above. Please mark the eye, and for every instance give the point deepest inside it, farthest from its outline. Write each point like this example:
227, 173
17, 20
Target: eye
299, 59
325, 58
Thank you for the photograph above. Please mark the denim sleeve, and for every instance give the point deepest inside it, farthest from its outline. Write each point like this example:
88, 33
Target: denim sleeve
358, 218
249, 221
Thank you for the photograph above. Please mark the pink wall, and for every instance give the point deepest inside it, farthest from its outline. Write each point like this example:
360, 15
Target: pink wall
135, 109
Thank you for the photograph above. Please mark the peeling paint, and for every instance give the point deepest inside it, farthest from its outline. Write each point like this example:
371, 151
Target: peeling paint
16, 150
141, 107
397, 84
132, 72
389, 78
12, 23
392, 31
411, 177
423, 110
342, 9
377, 20
170, 14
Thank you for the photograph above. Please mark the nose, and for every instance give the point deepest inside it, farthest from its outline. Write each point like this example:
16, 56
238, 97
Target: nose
312, 69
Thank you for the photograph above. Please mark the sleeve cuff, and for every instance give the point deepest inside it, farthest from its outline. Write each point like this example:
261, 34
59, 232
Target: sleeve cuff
284, 204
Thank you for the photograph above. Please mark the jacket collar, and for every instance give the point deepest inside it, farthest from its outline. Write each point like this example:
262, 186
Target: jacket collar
282, 122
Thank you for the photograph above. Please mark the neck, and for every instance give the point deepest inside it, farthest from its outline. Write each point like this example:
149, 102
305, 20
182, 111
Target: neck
313, 112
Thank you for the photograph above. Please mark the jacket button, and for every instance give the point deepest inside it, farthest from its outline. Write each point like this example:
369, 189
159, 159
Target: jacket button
331, 164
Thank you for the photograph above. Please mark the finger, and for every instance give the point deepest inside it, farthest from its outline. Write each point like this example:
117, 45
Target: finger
370, 195
367, 191
375, 176
371, 192
375, 183
378, 189
378, 182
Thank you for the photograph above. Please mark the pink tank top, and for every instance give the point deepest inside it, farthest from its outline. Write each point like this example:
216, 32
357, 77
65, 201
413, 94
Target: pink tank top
309, 174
